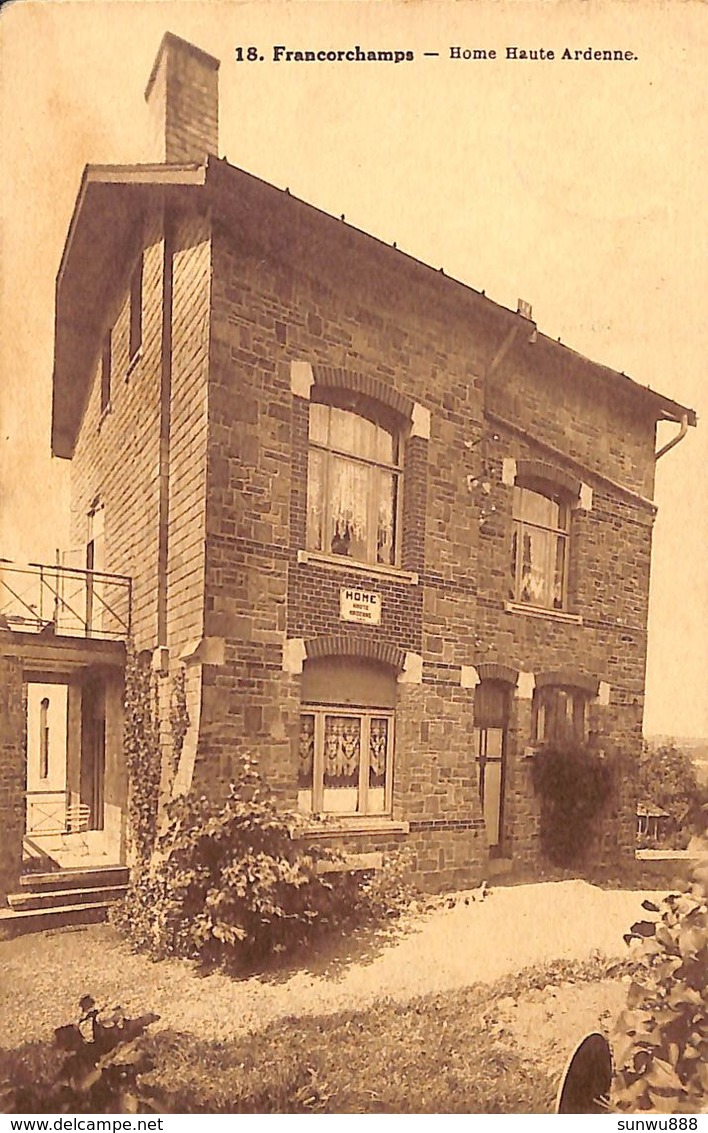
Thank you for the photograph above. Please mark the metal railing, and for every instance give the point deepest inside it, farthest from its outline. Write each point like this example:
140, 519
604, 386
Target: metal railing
52, 814
46, 811
70, 601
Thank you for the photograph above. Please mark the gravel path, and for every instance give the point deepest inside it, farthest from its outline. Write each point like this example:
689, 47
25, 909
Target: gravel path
42, 976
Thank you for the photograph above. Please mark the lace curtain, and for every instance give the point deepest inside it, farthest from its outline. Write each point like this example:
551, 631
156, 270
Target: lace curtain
542, 567
307, 752
378, 744
348, 507
342, 746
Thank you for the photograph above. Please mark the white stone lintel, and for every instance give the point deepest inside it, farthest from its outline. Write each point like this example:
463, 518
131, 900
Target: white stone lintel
294, 655
301, 379
525, 686
469, 677
161, 659
508, 471
585, 498
420, 421
412, 670
205, 651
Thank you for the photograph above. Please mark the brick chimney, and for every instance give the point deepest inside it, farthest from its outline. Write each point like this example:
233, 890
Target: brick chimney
183, 97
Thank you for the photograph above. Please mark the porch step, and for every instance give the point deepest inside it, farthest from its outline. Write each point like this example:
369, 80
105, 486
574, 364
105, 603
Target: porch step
14, 922
62, 898
65, 879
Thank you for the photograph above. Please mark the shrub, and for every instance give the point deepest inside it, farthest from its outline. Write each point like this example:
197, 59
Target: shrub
234, 884
574, 782
661, 1039
667, 778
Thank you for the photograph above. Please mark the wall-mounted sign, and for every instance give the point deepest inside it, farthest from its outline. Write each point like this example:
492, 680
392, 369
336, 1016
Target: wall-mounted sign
357, 605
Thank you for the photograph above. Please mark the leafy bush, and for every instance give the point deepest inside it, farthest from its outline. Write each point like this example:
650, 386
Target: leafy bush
661, 1040
574, 782
96, 1066
234, 883
667, 778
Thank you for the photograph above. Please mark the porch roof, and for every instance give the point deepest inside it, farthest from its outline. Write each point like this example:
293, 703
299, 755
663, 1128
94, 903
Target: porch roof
41, 656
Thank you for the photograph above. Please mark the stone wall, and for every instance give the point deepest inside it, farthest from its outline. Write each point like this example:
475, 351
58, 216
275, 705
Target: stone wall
144, 457
446, 603
242, 591
608, 591
116, 460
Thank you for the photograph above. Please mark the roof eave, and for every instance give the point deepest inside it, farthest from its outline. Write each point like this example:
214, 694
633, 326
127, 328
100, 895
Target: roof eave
69, 378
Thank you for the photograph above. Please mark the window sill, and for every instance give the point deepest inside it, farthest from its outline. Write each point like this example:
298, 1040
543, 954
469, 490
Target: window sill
356, 824
347, 566
541, 612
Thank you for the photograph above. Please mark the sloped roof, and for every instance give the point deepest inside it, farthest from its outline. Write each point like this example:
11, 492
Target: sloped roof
111, 200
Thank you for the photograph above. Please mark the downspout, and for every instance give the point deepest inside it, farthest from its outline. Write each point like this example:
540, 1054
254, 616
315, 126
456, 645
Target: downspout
683, 429
164, 453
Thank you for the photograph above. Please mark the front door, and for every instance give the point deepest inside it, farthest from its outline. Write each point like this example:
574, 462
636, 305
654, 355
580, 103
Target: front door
491, 713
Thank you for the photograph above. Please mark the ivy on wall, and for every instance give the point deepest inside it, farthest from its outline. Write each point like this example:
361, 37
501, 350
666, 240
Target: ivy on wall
574, 782
141, 740
179, 718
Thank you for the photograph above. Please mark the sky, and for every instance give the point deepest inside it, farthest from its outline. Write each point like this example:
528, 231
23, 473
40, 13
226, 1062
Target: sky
579, 186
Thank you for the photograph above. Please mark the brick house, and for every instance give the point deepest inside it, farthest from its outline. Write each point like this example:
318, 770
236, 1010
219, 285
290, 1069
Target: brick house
392, 535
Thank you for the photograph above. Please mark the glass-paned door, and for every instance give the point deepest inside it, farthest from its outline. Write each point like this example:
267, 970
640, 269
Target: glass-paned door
491, 710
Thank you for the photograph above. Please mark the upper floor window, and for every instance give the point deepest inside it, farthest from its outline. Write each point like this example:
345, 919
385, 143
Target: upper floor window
539, 549
560, 713
353, 485
136, 310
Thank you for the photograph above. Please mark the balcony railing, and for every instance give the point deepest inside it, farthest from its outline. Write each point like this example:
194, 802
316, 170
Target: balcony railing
68, 601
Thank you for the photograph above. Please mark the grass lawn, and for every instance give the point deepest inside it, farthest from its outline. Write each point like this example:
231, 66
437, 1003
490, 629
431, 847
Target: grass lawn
455, 1036
436, 1054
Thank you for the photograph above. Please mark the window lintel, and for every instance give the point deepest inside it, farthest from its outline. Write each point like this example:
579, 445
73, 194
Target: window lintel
569, 679
539, 475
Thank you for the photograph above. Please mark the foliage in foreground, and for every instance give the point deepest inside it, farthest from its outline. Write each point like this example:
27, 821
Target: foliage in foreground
574, 783
661, 1039
234, 885
94, 1066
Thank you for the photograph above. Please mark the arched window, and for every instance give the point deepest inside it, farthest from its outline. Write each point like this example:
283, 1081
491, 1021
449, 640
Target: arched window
345, 763
560, 713
540, 546
353, 484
